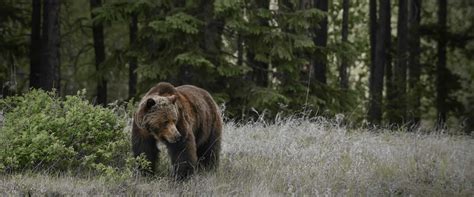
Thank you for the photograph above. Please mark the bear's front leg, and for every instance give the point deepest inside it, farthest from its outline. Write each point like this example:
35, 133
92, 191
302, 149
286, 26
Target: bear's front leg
183, 157
145, 145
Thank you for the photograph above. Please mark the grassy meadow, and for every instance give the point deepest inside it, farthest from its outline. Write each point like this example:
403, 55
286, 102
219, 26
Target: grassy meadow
294, 157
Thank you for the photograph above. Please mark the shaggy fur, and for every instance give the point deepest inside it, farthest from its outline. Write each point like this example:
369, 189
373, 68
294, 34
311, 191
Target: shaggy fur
186, 119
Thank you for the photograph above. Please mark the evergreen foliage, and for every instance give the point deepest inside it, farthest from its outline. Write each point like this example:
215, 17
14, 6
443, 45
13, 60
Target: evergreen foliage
254, 56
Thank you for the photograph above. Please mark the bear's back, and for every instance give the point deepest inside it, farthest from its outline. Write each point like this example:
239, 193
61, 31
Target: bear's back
199, 98
208, 116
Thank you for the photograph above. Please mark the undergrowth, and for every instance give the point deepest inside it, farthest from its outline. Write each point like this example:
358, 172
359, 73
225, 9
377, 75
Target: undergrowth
291, 156
45, 133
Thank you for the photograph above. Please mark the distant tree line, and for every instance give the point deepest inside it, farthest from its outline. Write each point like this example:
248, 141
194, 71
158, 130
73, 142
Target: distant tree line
404, 62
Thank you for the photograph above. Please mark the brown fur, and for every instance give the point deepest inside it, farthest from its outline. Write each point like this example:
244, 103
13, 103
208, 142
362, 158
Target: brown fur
186, 119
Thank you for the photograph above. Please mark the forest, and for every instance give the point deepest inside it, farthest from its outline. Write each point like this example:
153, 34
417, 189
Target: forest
405, 63
319, 97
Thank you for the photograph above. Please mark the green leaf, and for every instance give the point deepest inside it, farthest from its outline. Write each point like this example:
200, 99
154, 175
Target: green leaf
193, 59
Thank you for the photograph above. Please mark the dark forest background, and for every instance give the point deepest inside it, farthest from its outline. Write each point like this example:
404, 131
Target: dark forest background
405, 62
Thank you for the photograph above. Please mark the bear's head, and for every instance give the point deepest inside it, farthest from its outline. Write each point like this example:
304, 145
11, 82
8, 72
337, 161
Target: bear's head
158, 116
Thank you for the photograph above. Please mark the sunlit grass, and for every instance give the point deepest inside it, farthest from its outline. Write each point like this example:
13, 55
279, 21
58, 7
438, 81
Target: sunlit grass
297, 156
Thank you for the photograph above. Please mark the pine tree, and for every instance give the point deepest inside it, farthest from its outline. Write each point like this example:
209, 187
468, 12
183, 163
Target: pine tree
35, 45
132, 71
377, 74
99, 49
400, 70
442, 71
321, 39
50, 40
414, 66
343, 75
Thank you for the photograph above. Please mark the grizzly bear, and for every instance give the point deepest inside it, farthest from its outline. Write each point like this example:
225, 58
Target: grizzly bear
186, 119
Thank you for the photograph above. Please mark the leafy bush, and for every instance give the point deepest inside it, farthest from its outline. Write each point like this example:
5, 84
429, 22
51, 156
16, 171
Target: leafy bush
44, 132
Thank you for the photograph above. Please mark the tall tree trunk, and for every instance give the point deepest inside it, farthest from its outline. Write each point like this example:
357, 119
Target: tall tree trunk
99, 49
49, 70
372, 34
35, 45
414, 66
132, 74
344, 84
381, 50
400, 71
391, 93
442, 71
320, 40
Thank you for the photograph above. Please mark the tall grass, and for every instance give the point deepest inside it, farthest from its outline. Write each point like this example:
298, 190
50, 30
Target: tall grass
297, 156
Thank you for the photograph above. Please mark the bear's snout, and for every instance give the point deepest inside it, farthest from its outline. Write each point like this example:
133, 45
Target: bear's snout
174, 137
178, 137
168, 134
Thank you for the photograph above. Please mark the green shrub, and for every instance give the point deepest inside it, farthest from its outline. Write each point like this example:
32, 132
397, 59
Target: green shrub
44, 132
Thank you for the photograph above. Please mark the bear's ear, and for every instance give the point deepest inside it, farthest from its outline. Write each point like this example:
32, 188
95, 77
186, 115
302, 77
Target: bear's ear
149, 103
172, 98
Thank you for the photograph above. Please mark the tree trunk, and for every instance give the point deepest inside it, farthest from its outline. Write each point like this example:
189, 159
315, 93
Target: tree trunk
414, 66
442, 71
49, 69
320, 40
400, 71
132, 74
344, 84
469, 120
35, 45
99, 49
391, 93
372, 34
376, 83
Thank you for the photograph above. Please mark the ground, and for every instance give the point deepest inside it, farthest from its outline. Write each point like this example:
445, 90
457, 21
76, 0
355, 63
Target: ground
298, 156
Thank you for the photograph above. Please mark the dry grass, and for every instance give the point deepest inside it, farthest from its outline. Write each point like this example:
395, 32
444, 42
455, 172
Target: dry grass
297, 156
